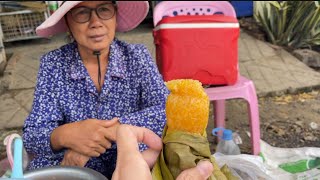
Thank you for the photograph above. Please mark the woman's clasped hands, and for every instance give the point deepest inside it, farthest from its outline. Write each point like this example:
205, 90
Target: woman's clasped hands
84, 139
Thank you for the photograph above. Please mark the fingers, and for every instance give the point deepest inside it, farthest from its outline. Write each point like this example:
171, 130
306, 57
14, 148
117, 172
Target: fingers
128, 151
109, 123
67, 162
89, 136
106, 144
64, 163
100, 149
150, 156
99, 145
148, 137
91, 152
202, 171
73, 158
128, 138
205, 168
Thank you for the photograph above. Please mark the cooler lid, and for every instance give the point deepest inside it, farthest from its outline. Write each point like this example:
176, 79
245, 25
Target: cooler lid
206, 21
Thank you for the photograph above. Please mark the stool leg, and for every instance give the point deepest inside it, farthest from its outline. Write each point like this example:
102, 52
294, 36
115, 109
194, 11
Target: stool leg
219, 113
253, 112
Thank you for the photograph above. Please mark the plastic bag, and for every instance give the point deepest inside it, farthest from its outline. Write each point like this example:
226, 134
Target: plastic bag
291, 163
247, 167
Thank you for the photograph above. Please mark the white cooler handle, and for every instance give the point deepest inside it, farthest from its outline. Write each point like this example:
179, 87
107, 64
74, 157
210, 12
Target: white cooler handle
176, 8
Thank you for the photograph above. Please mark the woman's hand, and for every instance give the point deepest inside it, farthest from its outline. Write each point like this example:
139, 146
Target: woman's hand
89, 137
73, 158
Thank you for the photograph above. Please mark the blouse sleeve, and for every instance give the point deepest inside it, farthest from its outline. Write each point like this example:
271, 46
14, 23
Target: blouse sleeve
45, 114
154, 95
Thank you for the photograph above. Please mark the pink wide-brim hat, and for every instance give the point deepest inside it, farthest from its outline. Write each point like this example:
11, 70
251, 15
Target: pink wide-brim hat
129, 15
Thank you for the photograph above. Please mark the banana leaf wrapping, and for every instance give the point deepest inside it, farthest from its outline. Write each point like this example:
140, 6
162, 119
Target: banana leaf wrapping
183, 151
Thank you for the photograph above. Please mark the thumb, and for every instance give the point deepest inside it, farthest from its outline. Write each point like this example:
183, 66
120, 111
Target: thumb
109, 123
205, 168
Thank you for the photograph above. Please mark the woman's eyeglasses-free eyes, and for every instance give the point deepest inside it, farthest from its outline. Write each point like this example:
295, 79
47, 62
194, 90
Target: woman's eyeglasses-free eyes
83, 14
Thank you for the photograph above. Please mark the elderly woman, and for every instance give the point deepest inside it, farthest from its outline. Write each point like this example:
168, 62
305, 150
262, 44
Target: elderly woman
87, 88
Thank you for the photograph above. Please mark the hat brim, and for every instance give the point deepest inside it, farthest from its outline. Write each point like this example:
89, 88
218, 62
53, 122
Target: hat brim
129, 15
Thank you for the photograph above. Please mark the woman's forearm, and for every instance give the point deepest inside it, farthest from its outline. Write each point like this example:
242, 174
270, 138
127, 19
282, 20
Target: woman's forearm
57, 138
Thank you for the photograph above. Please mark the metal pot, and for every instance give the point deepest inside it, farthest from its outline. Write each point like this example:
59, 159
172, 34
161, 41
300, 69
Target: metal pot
63, 173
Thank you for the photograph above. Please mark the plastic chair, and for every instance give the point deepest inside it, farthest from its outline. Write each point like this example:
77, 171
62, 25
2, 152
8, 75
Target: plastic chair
244, 88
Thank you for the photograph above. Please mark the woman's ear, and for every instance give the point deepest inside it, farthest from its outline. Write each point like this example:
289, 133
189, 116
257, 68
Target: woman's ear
69, 37
69, 34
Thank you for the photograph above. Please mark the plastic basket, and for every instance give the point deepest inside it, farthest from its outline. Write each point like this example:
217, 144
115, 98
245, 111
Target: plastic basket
20, 25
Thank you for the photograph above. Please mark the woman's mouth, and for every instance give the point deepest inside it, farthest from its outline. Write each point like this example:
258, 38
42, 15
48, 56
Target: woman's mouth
97, 38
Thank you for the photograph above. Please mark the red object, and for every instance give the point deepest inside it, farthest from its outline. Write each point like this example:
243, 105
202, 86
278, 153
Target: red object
203, 48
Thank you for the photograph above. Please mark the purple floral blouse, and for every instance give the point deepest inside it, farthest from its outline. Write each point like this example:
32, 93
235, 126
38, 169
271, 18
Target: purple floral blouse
133, 90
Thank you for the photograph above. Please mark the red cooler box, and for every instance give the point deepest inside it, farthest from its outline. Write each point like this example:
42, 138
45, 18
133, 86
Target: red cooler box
204, 48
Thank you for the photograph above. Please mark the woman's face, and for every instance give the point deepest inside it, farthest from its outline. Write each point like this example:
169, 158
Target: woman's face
96, 34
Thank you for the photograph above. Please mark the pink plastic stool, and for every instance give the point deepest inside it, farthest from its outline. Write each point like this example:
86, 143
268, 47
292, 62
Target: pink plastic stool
244, 88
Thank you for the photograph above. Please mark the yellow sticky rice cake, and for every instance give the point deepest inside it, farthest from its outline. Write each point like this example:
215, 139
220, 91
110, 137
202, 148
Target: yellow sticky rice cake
187, 106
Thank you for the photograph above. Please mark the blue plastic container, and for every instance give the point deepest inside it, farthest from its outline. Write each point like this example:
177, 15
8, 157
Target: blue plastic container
243, 8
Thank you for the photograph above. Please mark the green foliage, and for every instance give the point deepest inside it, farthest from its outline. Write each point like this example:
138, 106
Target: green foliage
294, 24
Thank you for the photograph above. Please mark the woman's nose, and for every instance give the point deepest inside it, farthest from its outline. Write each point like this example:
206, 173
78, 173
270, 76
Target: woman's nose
95, 21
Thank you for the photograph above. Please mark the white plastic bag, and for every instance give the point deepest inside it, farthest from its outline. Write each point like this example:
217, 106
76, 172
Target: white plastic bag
275, 157
248, 167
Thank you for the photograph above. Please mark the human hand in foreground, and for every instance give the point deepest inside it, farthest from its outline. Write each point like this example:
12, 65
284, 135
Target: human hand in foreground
202, 171
90, 137
73, 158
131, 164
